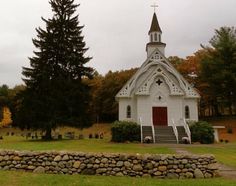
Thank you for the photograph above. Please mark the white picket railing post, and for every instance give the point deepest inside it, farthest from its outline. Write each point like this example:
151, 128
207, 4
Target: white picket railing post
141, 129
153, 131
175, 131
187, 129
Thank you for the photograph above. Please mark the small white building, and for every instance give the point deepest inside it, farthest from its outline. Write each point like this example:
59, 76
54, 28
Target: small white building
158, 95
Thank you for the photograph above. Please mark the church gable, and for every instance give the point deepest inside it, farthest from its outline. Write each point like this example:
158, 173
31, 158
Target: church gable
158, 77
157, 66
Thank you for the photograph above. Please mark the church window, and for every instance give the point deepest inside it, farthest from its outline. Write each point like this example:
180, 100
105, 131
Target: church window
187, 112
155, 36
159, 38
159, 82
128, 111
151, 38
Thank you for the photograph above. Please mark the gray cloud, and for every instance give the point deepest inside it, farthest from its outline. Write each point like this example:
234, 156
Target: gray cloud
115, 31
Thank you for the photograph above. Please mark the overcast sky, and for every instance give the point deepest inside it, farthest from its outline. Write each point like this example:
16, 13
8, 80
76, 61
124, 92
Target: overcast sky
116, 31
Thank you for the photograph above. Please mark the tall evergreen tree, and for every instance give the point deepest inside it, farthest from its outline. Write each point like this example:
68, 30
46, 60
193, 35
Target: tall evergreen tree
55, 93
219, 67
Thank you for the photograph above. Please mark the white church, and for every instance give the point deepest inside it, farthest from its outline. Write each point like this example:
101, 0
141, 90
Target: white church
158, 97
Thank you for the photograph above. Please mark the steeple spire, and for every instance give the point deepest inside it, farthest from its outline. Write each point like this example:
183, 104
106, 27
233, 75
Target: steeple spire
155, 34
155, 27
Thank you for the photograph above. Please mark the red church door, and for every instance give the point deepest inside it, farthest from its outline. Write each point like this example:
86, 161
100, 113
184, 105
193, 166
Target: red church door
159, 116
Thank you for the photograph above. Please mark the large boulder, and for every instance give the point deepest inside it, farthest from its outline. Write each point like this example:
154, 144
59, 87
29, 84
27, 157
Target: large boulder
39, 170
198, 173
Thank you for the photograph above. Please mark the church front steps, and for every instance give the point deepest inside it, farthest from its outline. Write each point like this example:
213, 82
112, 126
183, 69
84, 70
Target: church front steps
147, 132
164, 134
181, 133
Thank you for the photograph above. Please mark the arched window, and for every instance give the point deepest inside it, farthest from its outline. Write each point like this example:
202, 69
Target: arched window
128, 111
156, 37
187, 112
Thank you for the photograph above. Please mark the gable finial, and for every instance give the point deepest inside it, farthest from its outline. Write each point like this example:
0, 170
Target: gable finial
154, 6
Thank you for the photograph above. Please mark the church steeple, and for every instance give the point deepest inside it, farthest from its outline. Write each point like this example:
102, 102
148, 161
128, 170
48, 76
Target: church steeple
155, 34
155, 27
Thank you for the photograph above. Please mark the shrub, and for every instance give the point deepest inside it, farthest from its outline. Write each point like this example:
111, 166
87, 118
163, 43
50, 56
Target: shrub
125, 131
202, 132
190, 122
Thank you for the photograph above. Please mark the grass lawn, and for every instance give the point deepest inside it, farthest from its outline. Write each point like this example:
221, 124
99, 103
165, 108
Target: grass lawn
224, 153
20, 178
85, 145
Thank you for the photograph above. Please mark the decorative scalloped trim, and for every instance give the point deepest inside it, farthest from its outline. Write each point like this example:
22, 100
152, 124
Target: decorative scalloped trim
163, 68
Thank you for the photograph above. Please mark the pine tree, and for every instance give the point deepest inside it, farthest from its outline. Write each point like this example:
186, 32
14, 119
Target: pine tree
55, 92
219, 67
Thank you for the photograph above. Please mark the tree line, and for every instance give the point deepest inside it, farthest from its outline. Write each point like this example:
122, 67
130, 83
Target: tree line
212, 70
61, 89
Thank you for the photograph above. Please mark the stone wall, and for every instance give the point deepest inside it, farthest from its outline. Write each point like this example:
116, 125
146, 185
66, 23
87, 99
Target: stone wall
160, 166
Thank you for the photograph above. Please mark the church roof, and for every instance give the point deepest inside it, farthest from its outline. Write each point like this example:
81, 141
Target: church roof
157, 65
155, 27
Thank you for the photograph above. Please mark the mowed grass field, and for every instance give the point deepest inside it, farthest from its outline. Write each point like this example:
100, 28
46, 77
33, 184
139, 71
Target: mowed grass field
225, 153
84, 145
25, 179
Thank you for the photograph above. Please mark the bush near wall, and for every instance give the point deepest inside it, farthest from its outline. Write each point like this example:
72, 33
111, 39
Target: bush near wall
202, 132
125, 131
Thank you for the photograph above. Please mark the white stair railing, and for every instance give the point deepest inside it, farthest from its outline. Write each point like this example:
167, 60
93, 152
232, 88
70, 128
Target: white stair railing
141, 128
153, 132
186, 128
175, 131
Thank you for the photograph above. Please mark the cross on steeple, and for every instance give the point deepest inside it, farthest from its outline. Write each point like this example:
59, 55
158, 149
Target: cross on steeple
154, 6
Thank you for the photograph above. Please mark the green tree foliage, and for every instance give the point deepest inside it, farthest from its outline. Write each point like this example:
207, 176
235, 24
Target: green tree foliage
219, 68
55, 92
202, 132
14, 101
104, 89
4, 99
125, 131
7, 97
4, 93
175, 61
212, 71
